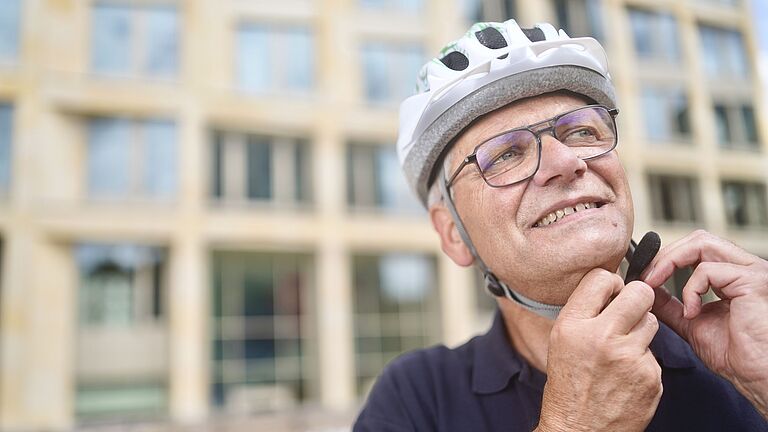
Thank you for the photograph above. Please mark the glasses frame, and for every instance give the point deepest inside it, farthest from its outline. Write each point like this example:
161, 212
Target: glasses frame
472, 158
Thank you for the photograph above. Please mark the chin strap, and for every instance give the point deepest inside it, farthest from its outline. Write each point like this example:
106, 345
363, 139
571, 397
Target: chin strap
492, 283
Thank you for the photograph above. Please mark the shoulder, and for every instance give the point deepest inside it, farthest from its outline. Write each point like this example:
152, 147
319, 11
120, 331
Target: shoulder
406, 396
419, 373
438, 359
695, 398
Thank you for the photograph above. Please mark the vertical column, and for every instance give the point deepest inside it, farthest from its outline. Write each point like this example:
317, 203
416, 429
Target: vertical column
457, 300
188, 371
333, 291
335, 335
189, 353
13, 326
50, 387
530, 12
704, 131
37, 334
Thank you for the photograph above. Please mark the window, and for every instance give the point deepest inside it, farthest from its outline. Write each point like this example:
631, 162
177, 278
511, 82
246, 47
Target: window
374, 179
580, 17
723, 53
258, 168
262, 354
488, 10
10, 17
396, 309
666, 114
745, 204
390, 71
413, 6
122, 362
6, 135
655, 35
131, 158
274, 59
736, 128
674, 198
678, 280
721, 2
135, 40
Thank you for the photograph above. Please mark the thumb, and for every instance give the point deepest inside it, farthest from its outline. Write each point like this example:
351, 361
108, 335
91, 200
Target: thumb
594, 291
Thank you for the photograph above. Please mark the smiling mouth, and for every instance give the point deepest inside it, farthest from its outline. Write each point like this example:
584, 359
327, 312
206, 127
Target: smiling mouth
563, 213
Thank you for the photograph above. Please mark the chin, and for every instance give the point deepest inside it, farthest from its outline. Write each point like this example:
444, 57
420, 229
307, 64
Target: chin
554, 282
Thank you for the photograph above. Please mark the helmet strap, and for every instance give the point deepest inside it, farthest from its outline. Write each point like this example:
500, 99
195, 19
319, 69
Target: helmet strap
492, 283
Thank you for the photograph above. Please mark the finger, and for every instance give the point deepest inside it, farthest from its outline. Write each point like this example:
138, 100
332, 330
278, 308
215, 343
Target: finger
644, 330
629, 307
669, 310
591, 295
727, 280
697, 247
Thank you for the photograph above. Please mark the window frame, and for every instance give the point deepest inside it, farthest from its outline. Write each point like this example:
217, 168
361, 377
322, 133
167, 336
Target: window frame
15, 53
139, 45
229, 150
738, 134
278, 40
396, 54
429, 315
138, 166
668, 91
753, 190
675, 184
658, 56
365, 181
725, 70
7, 184
232, 368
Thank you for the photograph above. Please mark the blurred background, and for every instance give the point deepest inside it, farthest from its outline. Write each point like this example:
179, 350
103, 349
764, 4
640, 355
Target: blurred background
203, 225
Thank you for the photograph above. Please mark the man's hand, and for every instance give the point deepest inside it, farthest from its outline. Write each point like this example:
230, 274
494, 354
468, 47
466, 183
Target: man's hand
730, 335
601, 376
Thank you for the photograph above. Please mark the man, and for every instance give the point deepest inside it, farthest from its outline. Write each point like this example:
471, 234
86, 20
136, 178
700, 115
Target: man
511, 144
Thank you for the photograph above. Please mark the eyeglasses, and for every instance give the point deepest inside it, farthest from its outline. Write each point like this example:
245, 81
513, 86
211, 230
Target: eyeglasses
515, 155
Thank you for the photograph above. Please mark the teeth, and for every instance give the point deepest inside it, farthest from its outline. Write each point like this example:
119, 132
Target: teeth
559, 214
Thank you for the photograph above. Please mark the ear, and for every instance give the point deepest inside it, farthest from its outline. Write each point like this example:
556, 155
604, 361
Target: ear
450, 239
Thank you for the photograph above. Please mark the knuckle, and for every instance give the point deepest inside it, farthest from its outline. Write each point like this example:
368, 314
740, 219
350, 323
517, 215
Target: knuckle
701, 234
602, 336
651, 373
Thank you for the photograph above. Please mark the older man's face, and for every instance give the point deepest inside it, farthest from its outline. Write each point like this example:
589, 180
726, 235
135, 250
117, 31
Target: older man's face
502, 222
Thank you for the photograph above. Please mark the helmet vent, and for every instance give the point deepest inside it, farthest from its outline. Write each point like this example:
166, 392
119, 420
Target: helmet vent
491, 38
534, 34
455, 60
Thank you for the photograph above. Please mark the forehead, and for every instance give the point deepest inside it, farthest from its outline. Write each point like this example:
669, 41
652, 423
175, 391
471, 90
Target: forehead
517, 114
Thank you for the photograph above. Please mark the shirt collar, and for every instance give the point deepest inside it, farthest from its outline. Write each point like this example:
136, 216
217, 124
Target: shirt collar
671, 350
496, 361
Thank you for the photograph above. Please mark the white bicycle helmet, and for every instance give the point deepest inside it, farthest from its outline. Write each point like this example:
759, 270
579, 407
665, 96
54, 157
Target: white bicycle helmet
492, 65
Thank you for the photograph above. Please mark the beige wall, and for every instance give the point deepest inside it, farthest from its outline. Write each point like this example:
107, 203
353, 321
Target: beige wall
48, 211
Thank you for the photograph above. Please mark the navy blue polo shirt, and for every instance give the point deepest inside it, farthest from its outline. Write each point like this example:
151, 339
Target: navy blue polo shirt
484, 385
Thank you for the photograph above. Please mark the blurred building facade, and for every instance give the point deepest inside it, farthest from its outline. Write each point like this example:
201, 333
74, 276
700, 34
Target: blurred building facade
202, 214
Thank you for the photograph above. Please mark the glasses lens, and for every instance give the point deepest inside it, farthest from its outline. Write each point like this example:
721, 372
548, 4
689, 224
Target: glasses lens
508, 158
589, 131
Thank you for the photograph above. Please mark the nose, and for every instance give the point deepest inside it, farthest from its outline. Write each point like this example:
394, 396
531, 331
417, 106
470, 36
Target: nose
559, 163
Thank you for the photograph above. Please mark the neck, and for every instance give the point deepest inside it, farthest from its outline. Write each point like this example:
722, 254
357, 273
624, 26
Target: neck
528, 333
